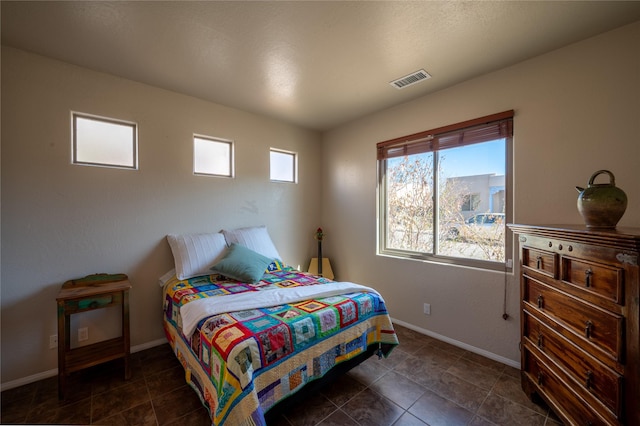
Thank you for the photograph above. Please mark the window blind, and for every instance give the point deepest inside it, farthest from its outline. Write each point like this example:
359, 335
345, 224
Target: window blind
483, 129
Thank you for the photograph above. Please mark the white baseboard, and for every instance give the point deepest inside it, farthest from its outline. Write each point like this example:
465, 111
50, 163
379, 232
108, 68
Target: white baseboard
482, 352
54, 372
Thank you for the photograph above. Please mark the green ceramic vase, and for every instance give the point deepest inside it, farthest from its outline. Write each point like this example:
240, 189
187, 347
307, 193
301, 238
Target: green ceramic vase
601, 204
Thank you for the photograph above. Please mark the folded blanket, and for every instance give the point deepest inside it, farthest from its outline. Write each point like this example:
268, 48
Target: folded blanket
198, 309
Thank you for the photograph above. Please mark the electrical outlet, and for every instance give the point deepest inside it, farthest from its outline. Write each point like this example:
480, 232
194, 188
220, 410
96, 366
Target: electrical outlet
83, 334
53, 341
427, 309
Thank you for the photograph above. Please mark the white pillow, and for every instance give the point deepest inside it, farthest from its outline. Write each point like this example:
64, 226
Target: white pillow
194, 254
255, 238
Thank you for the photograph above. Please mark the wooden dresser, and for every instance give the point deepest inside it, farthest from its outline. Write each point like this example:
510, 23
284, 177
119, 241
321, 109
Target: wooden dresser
580, 341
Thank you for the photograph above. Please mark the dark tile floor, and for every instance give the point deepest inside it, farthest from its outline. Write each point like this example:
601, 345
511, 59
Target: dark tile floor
424, 381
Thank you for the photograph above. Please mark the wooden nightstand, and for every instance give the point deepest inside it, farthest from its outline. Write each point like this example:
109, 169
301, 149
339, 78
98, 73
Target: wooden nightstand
86, 294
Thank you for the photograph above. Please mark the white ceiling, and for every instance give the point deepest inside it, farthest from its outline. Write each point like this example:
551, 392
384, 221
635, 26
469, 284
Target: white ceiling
315, 64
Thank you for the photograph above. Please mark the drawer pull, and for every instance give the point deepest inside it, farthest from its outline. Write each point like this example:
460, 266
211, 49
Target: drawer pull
540, 301
588, 329
588, 379
588, 274
540, 341
539, 262
540, 378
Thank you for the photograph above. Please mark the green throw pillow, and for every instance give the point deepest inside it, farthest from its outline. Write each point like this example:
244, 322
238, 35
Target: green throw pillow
242, 264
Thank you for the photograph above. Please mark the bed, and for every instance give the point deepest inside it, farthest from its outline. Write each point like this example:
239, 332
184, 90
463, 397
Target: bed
253, 334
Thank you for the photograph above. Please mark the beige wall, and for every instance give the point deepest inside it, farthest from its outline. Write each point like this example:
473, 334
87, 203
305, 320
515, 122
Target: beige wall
577, 110
61, 221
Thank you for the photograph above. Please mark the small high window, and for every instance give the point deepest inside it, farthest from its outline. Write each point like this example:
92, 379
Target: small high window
284, 166
105, 142
212, 156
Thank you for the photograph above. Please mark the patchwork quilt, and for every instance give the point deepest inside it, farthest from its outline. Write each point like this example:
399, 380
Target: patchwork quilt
241, 363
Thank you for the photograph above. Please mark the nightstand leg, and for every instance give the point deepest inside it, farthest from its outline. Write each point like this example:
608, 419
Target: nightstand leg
125, 335
63, 337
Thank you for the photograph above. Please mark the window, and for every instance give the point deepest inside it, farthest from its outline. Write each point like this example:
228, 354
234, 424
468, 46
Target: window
444, 194
284, 166
104, 142
212, 156
470, 202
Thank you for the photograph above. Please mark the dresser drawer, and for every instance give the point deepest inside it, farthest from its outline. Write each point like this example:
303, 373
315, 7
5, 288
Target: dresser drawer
602, 382
559, 393
601, 280
583, 321
542, 261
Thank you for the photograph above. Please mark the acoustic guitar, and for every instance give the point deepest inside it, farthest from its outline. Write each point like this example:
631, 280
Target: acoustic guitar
325, 268
320, 265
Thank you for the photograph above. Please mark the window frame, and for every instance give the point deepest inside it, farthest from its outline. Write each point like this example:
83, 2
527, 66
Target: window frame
215, 140
294, 156
415, 144
74, 140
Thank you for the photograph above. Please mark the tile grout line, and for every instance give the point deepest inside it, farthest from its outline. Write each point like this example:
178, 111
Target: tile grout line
328, 415
475, 414
153, 407
404, 410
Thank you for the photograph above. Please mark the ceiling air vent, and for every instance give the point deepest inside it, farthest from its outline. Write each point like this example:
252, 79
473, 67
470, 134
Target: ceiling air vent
410, 79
